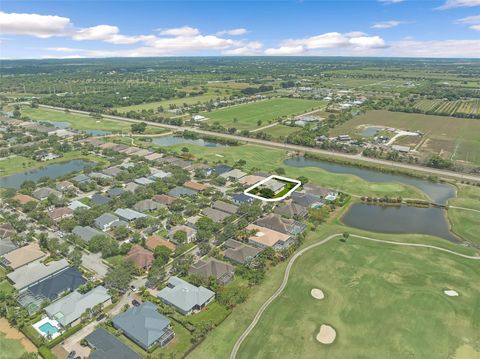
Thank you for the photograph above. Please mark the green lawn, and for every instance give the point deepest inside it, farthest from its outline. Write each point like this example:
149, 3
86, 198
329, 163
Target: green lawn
466, 223
17, 164
281, 131
10, 348
384, 301
247, 115
6, 287
115, 260
213, 313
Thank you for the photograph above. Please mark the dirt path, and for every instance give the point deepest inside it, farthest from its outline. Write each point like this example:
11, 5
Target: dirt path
292, 260
13, 333
465, 209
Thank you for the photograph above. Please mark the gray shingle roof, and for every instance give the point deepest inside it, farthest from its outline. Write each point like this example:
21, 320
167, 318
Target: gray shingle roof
34, 272
144, 324
108, 347
215, 215
181, 191
128, 214
225, 207
105, 219
184, 295
86, 233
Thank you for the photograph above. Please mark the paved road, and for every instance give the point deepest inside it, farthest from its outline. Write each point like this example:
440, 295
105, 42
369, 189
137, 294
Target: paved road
286, 275
290, 147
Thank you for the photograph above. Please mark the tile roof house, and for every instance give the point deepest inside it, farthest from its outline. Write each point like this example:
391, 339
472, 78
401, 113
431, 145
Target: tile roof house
148, 205
142, 257
250, 180
43, 193
221, 271
35, 272
69, 309
181, 191
105, 221
23, 255
239, 252
290, 209
145, 326
24, 199
164, 199
195, 186
86, 233
64, 186
215, 215
128, 214
280, 224
107, 346
59, 214
185, 297
153, 242
225, 207
265, 237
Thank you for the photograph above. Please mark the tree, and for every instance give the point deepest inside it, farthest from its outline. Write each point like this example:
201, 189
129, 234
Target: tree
75, 257
119, 276
139, 127
345, 236
157, 273
163, 253
180, 236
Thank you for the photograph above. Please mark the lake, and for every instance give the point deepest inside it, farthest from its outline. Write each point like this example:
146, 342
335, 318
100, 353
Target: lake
370, 131
399, 219
54, 170
176, 140
391, 219
438, 192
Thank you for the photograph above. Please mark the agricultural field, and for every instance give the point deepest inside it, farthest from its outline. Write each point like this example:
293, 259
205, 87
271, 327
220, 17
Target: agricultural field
258, 114
451, 137
459, 107
373, 84
279, 132
81, 122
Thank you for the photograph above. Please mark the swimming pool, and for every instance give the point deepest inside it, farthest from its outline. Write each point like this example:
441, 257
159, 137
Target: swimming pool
48, 329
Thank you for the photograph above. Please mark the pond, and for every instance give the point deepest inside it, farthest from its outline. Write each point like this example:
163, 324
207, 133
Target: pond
175, 140
399, 219
392, 219
370, 131
54, 170
62, 125
438, 192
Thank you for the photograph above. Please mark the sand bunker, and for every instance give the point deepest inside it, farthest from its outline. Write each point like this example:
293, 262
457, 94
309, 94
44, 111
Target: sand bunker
317, 293
451, 293
326, 335
12, 333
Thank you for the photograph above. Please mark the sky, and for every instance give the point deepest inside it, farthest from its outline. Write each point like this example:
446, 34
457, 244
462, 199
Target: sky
124, 28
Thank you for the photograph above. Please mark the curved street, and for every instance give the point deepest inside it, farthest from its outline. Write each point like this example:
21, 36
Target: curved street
292, 260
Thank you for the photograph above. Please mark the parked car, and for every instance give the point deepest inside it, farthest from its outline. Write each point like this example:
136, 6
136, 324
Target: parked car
71, 355
135, 303
100, 317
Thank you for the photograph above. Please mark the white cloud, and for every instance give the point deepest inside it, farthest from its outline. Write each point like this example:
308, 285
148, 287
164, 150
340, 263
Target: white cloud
42, 26
251, 48
368, 42
449, 4
387, 24
285, 50
64, 49
180, 31
436, 48
233, 32
388, 2
474, 21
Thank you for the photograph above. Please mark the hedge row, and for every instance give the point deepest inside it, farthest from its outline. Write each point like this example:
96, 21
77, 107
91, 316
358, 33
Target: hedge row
65, 334
45, 353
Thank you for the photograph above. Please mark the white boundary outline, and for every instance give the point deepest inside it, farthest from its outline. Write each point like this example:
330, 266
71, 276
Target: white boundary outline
298, 184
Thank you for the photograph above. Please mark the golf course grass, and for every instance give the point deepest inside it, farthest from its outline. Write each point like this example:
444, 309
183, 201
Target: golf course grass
466, 223
383, 300
246, 116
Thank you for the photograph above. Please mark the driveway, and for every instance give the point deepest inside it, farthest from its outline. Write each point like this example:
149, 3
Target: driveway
93, 261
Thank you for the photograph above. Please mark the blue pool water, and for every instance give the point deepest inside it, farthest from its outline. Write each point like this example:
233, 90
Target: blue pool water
48, 328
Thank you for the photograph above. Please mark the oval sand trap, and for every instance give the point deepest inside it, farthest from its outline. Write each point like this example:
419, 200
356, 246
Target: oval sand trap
317, 293
326, 335
451, 293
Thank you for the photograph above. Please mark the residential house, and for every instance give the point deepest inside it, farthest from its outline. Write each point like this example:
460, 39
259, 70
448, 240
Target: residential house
153, 242
241, 198
159, 174
64, 186
265, 237
81, 178
250, 180
223, 272
6, 246
59, 214
112, 171
181, 191
143, 181
131, 186
234, 174
290, 209
221, 169
306, 200
215, 215
145, 326
68, 310
115, 192
43, 193
185, 297
239, 252
283, 225
107, 346
164, 199
225, 207
154, 156
142, 257
7, 231
35, 272
191, 233
100, 176
105, 221
129, 215
148, 205
23, 199
22, 256
99, 199
86, 233
195, 186
77, 204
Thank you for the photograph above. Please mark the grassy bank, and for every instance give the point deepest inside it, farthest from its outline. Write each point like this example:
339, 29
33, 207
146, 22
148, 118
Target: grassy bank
466, 223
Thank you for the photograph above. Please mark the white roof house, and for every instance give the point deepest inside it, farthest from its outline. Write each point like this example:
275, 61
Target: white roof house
35, 272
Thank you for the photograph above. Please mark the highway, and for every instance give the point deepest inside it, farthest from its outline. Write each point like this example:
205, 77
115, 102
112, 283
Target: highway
290, 147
